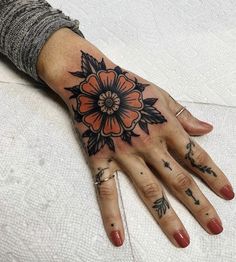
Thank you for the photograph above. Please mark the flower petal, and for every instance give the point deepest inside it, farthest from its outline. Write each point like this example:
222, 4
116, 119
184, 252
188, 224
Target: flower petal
108, 94
124, 84
117, 101
93, 120
101, 102
107, 77
129, 118
103, 108
134, 99
112, 127
91, 85
85, 103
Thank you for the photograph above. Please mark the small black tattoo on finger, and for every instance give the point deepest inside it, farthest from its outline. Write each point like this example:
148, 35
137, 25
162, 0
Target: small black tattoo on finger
98, 177
190, 194
161, 205
189, 156
166, 164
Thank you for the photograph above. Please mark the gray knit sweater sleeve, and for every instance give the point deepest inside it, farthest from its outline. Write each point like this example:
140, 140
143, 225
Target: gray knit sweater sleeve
25, 26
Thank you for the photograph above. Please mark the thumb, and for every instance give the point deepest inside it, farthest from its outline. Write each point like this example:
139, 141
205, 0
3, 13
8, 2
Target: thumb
192, 125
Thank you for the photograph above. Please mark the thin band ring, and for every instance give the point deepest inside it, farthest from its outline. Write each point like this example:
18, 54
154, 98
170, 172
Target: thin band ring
180, 111
104, 180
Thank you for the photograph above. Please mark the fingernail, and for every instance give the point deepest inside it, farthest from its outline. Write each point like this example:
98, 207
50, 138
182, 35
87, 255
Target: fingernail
181, 238
227, 192
116, 238
215, 226
205, 124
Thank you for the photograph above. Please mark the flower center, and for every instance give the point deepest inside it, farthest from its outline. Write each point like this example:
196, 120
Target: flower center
109, 102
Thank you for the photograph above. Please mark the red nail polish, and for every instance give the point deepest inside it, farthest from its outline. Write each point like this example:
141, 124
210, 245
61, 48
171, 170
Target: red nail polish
227, 192
215, 226
181, 238
205, 124
116, 238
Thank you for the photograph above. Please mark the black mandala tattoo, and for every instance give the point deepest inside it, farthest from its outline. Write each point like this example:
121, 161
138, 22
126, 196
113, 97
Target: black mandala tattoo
190, 194
189, 156
161, 205
110, 104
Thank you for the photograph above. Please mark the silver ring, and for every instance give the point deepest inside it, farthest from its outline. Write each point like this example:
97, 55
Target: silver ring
104, 180
180, 111
98, 176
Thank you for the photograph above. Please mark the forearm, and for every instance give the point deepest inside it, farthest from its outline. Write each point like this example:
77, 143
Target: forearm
25, 26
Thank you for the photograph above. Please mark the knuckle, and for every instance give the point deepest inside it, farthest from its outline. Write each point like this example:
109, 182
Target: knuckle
106, 191
207, 208
201, 156
111, 217
145, 141
187, 115
182, 181
150, 190
168, 220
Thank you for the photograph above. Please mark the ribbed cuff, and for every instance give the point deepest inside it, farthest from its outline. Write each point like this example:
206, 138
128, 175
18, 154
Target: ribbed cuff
25, 26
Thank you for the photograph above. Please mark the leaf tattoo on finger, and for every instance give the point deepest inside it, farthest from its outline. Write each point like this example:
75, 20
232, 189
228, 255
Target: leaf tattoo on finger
189, 156
161, 205
110, 104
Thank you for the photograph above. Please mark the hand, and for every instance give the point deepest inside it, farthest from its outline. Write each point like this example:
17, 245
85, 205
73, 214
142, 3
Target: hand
127, 123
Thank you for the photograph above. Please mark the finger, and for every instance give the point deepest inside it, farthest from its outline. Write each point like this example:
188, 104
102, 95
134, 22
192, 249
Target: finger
186, 190
191, 124
154, 198
108, 202
197, 159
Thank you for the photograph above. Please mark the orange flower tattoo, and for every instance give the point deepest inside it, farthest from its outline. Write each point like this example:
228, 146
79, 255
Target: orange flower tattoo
110, 104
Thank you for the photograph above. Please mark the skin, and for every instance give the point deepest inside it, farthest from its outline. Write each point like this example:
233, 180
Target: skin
147, 161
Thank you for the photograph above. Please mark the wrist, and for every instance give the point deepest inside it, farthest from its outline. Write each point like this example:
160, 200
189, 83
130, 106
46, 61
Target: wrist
61, 55
54, 56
